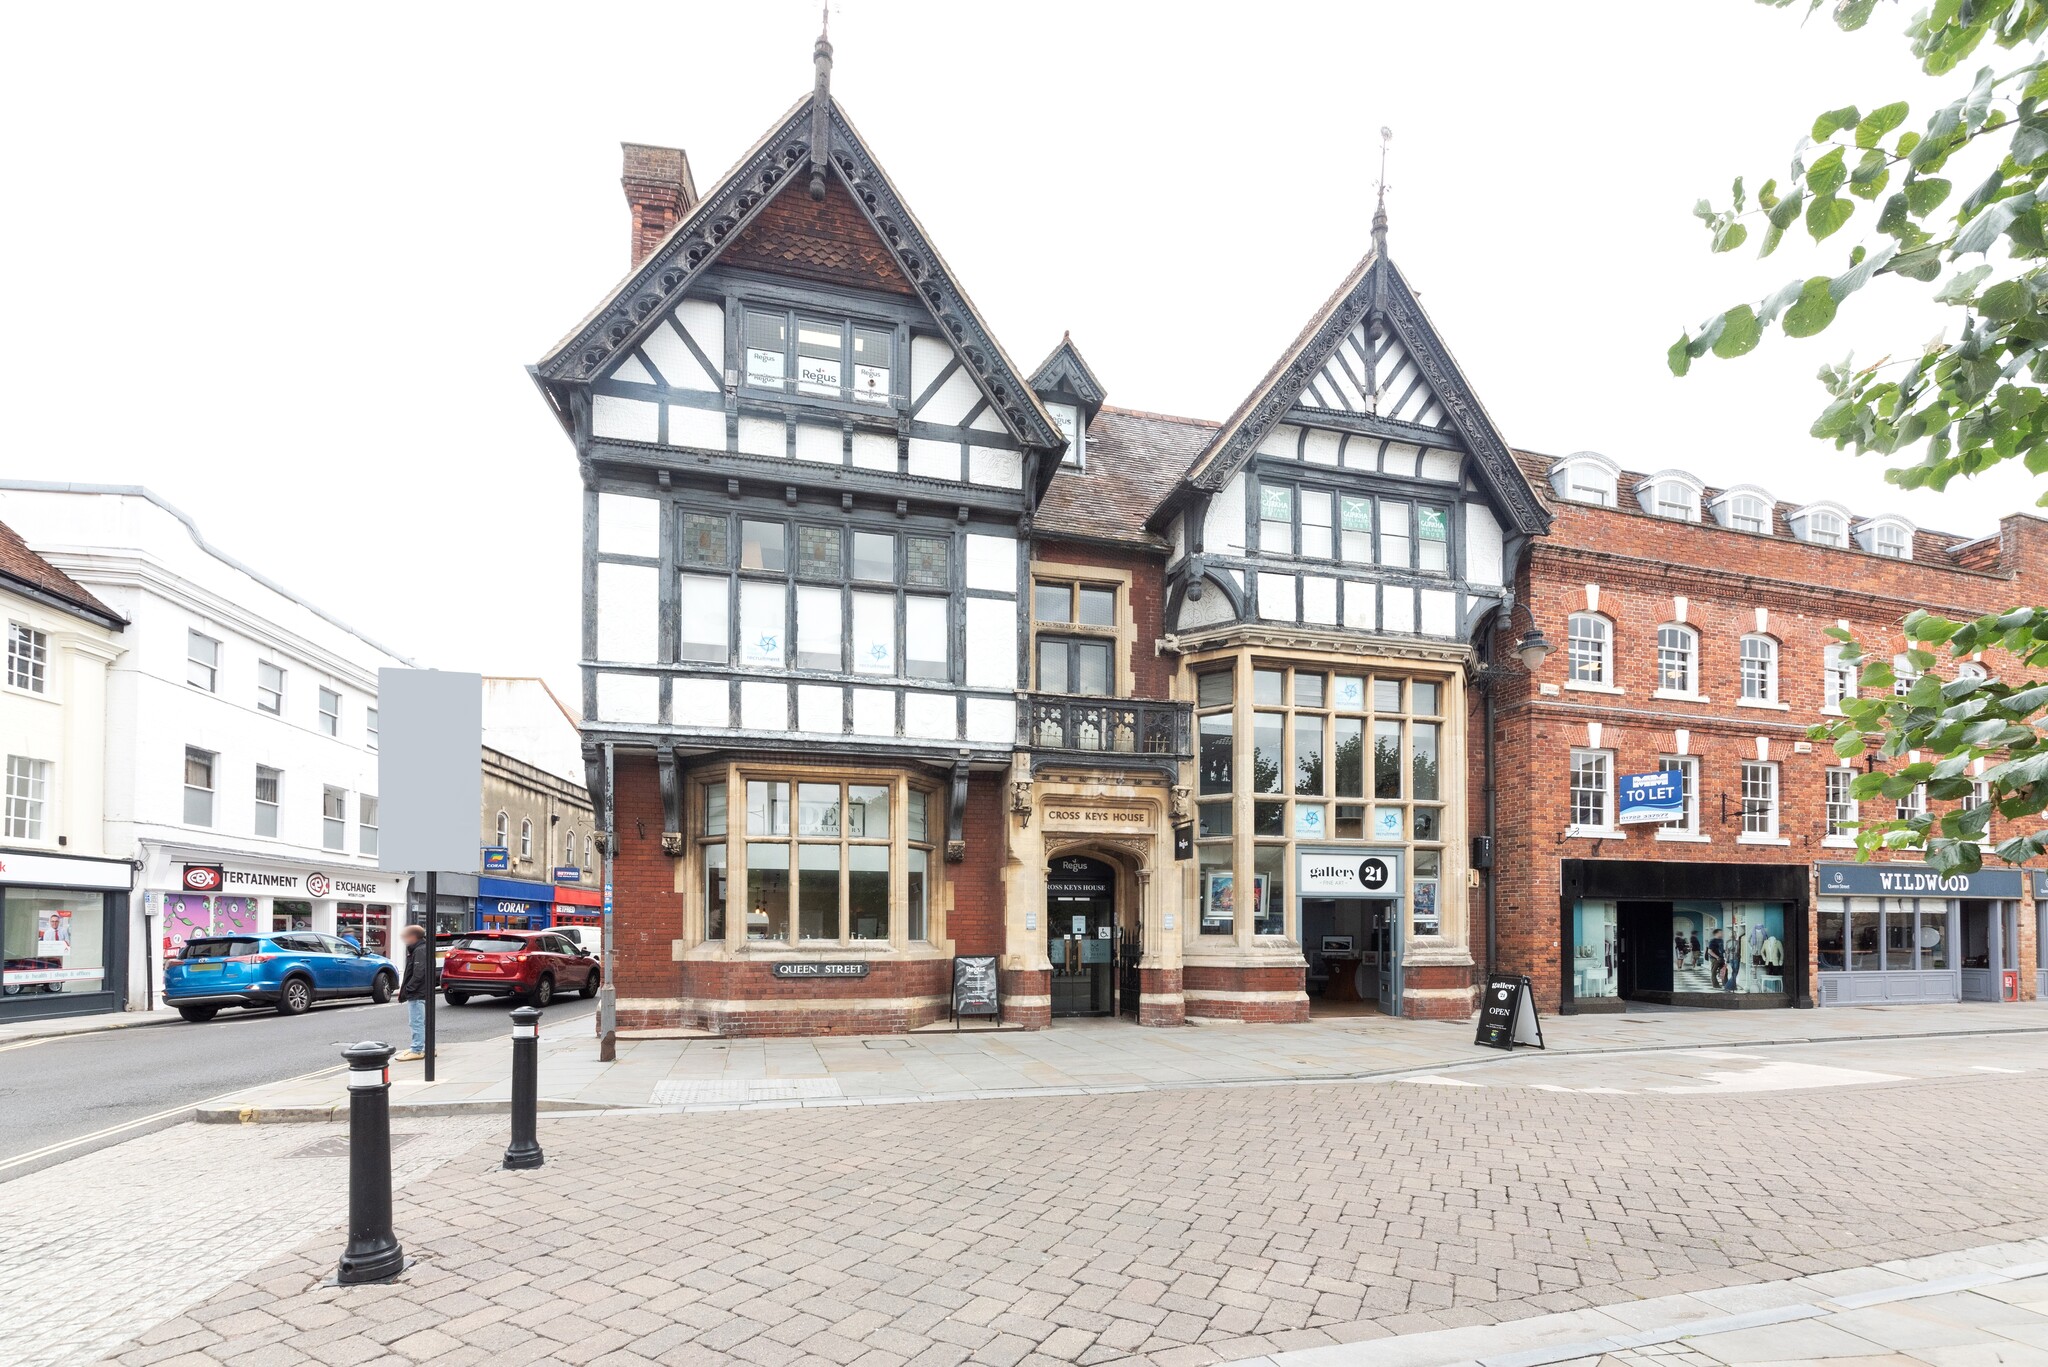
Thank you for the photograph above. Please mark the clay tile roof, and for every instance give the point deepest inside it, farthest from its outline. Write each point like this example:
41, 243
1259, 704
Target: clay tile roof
1133, 460
23, 566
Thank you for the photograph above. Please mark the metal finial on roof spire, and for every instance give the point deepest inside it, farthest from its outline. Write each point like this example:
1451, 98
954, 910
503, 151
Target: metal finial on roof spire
1379, 214
821, 106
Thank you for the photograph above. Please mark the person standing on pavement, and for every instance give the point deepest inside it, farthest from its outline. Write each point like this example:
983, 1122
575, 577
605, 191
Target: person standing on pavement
413, 987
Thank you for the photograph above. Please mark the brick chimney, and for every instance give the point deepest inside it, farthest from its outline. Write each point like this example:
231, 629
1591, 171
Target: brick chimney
659, 192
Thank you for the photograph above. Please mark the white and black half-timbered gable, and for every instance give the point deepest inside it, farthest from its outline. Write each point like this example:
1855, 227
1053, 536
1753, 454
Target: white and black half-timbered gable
1359, 489
809, 472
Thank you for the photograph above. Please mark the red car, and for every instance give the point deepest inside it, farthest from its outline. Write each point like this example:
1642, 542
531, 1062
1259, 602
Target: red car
532, 965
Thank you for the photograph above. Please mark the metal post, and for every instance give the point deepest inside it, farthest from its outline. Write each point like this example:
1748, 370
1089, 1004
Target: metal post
433, 970
373, 1253
524, 1151
607, 997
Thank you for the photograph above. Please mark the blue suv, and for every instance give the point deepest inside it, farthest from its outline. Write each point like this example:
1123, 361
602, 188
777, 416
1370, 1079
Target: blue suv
289, 970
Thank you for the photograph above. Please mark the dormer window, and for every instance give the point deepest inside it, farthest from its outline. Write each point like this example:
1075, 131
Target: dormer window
1744, 512
1585, 478
1068, 419
826, 358
1670, 493
1590, 488
1669, 498
1889, 536
1823, 528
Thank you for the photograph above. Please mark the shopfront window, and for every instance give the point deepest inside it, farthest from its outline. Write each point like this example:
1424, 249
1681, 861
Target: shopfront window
1313, 755
821, 860
52, 942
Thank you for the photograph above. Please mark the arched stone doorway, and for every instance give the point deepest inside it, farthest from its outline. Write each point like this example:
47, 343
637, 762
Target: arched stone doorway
1093, 903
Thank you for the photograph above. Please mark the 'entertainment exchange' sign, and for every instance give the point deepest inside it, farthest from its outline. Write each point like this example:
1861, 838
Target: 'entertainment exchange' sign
1913, 880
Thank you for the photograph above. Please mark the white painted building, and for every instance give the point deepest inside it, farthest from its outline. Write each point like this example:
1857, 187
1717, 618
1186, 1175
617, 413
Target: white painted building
241, 731
63, 904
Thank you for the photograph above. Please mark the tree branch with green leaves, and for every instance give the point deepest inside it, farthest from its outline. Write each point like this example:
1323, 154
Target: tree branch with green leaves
1959, 406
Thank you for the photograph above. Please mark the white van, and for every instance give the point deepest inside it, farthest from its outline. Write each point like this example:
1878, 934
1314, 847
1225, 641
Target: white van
588, 938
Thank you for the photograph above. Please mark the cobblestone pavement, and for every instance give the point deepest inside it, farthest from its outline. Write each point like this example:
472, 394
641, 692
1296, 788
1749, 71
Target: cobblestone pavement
93, 1250
1169, 1227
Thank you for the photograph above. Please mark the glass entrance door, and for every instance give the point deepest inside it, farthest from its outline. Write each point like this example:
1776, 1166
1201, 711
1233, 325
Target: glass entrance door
1081, 936
1384, 921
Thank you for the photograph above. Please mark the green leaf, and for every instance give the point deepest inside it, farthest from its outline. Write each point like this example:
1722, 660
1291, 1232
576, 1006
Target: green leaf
1770, 308
1879, 122
1828, 124
1679, 358
2005, 301
1814, 310
1740, 334
1990, 224
1960, 286
1978, 103
1729, 236
1858, 275
1785, 212
2029, 141
1924, 195
1826, 215
1825, 176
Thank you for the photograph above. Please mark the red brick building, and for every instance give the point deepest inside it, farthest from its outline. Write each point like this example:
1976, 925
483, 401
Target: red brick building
1689, 630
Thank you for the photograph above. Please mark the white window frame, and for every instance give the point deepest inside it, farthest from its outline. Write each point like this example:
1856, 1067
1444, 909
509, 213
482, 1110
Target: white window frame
1589, 637
212, 787
28, 798
1839, 810
370, 727
1603, 761
525, 839
366, 823
28, 658
1912, 805
333, 818
1978, 796
202, 656
274, 806
275, 707
1686, 638
1904, 675
1759, 780
1824, 528
1686, 826
504, 831
1749, 513
1890, 540
1839, 679
330, 717
1759, 668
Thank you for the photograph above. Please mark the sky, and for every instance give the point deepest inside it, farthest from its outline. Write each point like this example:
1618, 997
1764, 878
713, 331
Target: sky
286, 265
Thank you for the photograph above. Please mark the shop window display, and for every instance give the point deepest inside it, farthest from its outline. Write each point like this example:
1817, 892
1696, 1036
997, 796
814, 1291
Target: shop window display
52, 941
1595, 962
1728, 947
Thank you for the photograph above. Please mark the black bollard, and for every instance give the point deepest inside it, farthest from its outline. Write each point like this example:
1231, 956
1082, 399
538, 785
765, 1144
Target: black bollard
373, 1253
524, 1151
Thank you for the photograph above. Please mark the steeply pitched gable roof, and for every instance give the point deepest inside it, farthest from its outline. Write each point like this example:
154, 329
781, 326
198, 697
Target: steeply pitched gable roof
1064, 371
22, 570
773, 167
1374, 288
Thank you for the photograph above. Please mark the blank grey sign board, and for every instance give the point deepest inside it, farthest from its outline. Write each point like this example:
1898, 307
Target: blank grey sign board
430, 784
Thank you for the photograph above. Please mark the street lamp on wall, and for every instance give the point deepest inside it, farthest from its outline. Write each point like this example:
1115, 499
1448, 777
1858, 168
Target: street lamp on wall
1533, 649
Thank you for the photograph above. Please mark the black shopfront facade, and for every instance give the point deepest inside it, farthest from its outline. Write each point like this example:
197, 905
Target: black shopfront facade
63, 934
1729, 936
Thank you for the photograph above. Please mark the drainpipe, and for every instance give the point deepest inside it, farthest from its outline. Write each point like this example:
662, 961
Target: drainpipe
1493, 864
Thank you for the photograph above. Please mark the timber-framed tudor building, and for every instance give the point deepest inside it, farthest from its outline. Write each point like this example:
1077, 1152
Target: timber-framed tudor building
896, 650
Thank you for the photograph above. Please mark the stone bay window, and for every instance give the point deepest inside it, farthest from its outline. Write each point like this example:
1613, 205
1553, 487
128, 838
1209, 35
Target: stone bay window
1304, 756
